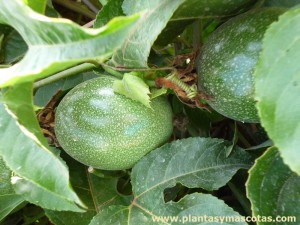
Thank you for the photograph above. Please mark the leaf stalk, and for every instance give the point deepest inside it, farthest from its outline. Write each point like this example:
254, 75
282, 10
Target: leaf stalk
68, 72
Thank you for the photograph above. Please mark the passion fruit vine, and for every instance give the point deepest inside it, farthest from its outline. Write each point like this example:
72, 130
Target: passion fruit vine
227, 61
109, 131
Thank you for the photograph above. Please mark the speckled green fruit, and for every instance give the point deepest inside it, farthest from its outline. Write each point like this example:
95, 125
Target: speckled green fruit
227, 62
105, 130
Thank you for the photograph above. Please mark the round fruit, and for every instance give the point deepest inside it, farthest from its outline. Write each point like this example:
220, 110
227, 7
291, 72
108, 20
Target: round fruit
110, 131
227, 61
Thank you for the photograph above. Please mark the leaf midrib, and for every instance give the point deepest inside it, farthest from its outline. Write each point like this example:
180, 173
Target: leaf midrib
191, 172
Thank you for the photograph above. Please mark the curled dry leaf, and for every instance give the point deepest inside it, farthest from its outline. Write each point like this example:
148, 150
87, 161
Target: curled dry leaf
46, 118
185, 82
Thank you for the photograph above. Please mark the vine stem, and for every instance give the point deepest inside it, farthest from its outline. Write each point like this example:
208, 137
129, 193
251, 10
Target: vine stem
123, 69
90, 6
76, 8
5, 66
89, 24
197, 34
68, 72
241, 198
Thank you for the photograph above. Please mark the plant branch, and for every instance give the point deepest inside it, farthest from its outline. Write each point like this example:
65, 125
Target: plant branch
5, 66
66, 73
89, 24
135, 69
241, 198
90, 6
197, 34
76, 8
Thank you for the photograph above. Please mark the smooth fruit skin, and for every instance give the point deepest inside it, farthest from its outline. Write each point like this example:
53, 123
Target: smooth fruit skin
227, 62
105, 130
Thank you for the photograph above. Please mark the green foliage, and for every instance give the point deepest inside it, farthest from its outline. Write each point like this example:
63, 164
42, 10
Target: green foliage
51, 42
136, 48
269, 199
179, 162
277, 85
37, 5
108, 12
94, 191
35, 166
282, 3
191, 10
206, 171
14, 47
9, 200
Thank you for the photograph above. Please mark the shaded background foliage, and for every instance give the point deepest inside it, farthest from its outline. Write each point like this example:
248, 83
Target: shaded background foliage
144, 40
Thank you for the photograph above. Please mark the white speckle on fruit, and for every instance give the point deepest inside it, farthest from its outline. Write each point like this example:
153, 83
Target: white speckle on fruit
112, 131
99, 104
106, 92
218, 46
253, 46
226, 70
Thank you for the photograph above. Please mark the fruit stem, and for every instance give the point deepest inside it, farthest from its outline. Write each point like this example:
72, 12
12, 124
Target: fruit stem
191, 91
241, 198
68, 72
197, 34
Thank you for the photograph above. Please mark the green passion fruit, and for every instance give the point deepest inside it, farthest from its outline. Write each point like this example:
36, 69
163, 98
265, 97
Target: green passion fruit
109, 131
227, 60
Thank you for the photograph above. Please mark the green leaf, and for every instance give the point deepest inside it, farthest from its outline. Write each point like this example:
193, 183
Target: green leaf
9, 200
14, 47
50, 10
133, 87
4, 31
183, 160
37, 5
56, 44
274, 190
156, 92
277, 84
112, 9
135, 51
41, 177
193, 162
282, 3
18, 100
103, 2
192, 209
192, 10
200, 9
95, 192
265, 145
234, 140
